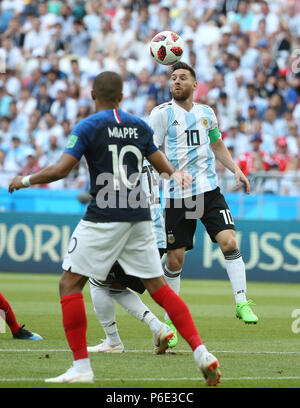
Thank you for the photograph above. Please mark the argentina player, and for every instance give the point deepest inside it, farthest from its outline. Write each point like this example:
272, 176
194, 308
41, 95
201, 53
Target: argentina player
188, 134
122, 231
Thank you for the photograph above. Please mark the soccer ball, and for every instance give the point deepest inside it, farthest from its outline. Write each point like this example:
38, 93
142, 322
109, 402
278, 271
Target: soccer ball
166, 47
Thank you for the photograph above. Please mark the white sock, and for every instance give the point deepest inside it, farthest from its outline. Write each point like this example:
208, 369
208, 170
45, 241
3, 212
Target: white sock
131, 302
105, 311
152, 321
199, 351
237, 274
173, 280
82, 365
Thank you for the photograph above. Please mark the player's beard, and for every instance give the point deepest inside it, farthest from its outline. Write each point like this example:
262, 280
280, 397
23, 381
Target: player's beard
182, 96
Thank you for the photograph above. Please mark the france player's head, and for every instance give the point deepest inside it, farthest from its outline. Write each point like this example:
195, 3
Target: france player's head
107, 90
183, 81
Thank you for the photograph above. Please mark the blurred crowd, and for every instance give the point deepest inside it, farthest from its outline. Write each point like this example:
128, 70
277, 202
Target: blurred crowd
246, 55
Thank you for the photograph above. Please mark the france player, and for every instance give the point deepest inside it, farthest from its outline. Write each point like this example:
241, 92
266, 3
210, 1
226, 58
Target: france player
188, 134
114, 227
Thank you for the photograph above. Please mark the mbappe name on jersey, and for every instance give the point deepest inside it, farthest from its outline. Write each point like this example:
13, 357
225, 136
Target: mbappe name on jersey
123, 132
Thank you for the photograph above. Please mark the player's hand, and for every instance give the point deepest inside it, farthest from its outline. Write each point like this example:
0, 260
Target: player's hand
183, 179
16, 184
240, 177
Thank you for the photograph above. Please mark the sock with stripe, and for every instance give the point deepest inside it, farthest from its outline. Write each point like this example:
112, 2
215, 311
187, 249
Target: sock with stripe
75, 324
173, 280
179, 314
10, 318
237, 274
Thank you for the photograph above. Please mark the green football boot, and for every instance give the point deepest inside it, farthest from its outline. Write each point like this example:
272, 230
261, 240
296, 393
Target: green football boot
244, 312
173, 342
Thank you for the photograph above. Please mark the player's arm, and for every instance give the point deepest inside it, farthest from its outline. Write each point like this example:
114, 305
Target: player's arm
47, 175
166, 170
223, 155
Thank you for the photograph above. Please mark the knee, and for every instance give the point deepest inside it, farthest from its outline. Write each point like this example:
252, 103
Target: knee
174, 261
229, 245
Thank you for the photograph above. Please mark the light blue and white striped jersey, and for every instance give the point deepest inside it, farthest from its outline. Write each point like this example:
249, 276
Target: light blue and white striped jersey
185, 138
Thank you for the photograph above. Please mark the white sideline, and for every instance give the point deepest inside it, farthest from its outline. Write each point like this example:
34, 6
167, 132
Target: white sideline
160, 379
151, 351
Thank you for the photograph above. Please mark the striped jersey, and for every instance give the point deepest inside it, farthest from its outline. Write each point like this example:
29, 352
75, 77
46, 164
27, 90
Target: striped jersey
185, 138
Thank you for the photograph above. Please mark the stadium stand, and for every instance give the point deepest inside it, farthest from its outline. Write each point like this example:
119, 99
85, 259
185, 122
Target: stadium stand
246, 55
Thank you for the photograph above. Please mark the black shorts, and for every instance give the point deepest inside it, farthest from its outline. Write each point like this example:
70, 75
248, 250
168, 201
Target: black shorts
180, 231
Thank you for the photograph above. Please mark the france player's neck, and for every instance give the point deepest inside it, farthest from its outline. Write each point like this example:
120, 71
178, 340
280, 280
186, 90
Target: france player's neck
186, 105
100, 106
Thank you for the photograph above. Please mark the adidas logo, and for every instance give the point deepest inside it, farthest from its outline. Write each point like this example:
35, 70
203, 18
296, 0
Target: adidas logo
175, 123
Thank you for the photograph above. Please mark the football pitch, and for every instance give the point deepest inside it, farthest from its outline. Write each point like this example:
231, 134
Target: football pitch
265, 355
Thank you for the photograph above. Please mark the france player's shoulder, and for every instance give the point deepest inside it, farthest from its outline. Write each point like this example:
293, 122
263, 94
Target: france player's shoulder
85, 124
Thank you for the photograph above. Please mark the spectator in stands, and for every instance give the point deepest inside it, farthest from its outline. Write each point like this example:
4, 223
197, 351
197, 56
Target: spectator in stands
78, 41
255, 159
8, 168
12, 54
27, 103
44, 101
31, 165
36, 38
19, 120
236, 139
52, 153
162, 90
64, 108
16, 152
243, 16
282, 157
293, 138
105, 41
5, 131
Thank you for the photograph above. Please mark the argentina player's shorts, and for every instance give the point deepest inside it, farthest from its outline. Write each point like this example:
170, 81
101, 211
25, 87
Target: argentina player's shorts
95, 246
215, 217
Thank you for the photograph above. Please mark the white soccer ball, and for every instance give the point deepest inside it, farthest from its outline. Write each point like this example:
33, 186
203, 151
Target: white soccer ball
166, 47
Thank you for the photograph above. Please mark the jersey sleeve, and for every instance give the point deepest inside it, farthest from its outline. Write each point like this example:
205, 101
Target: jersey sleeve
155, 122
214, 133
77, 143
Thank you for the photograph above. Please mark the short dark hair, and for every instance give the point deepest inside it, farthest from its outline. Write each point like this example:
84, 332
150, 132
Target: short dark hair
108, 86
183, 65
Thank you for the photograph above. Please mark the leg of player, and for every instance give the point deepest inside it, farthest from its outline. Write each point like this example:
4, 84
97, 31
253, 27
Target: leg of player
183, 321
237, 275
130, 301
172, 272
17, 331
105, 310
75, 326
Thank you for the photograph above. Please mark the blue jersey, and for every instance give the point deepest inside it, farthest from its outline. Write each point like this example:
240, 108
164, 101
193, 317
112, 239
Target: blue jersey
114, 144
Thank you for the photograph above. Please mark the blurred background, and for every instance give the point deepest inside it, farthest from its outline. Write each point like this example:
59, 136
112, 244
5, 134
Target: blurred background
247, 58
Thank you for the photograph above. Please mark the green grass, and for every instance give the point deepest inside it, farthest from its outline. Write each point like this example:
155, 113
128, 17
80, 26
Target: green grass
250, 356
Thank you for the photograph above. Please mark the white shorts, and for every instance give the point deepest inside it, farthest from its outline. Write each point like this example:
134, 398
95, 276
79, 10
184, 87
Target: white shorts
94, 248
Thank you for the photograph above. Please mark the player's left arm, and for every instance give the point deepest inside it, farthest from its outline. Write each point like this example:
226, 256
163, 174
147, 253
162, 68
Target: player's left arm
223, 155
47, 175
